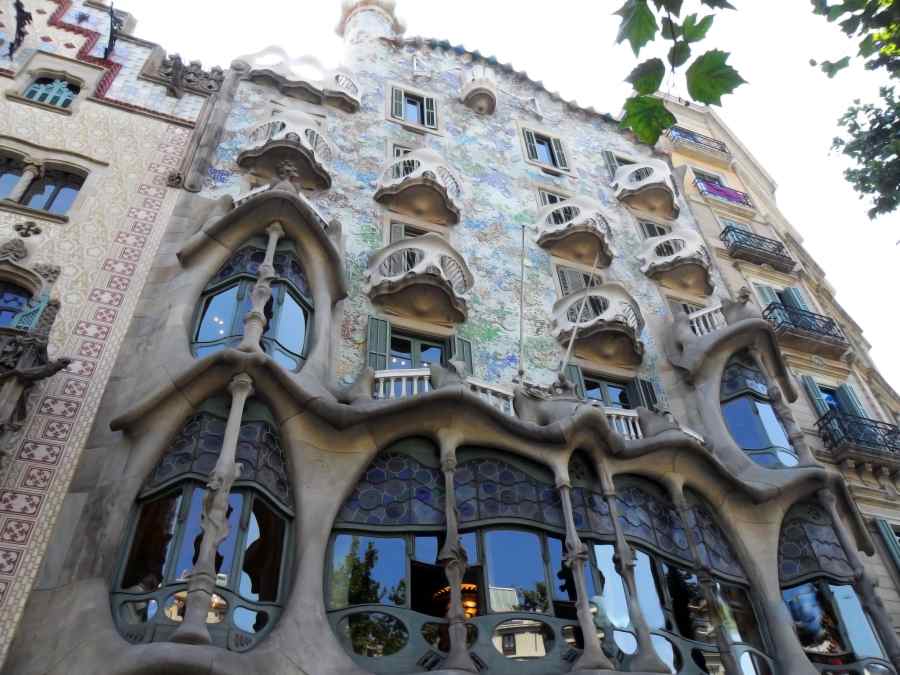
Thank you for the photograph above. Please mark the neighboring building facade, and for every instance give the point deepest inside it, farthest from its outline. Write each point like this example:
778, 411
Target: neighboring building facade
414, 366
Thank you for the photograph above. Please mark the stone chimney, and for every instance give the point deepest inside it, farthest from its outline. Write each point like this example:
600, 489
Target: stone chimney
363, 20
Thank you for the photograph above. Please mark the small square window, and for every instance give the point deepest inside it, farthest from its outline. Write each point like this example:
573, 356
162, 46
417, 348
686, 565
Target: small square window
413, 108
545, 150
708, 177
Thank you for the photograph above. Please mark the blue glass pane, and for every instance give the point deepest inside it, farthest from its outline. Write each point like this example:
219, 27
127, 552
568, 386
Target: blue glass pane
225, 552
430, 354
367, 570
815, 623
426, 549
9, 178
618, 397
544, 151
282, 357
248, 620
469, 543
856, 623
401, 353
744, 425
561, 578
777, 436
516, 578
63, 200
612, 606
40, 194
263, 549
647, 591
218, 317
193, 534
830, 398
413, 110
291, 331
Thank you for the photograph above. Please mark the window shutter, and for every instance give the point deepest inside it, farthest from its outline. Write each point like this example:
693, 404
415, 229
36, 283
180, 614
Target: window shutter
815, 396
397, 103
545, 197
529, 144
795, 298
462, 351
766, 294
573, 375
648, 396
377, 343
849, 401
561, 161
430, 114
612, 164
398, 232
890, 541
570, 281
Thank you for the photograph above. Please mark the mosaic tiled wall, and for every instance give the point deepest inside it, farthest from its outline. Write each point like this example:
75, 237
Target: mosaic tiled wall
104, 252
499, 199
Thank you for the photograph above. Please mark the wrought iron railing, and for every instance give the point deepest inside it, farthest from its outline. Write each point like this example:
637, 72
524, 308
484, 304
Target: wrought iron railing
734, 237
682, 134
840, 429
727, 194
784, 317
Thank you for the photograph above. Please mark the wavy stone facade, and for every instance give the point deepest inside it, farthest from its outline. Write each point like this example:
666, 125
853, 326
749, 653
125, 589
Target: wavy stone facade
306, 442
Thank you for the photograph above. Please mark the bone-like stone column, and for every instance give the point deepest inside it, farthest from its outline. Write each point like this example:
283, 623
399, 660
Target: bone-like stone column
645, 659
863, 582
30, 172
214, 521
255, 321
592, 658
455, 561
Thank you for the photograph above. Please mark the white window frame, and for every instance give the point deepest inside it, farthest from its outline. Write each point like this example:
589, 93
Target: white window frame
404, 90
563, 166
748, 226
695, 169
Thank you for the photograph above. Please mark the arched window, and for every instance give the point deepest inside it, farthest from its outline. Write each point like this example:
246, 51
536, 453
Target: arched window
149, 600
749, 414
52, 91
54, 192
11, 169
13, 301
226, 301
817, 587
519, 595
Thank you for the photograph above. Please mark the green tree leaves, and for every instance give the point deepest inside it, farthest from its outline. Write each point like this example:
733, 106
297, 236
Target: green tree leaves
694, 30
709, 78
647, 117
647, 77
638, 24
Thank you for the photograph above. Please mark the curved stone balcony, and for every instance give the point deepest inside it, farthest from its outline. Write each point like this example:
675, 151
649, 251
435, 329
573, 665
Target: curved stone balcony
607, 327
292, 140
678, 260
422, 277
421, 184
576, 230
479, 90
647, 185
341, 89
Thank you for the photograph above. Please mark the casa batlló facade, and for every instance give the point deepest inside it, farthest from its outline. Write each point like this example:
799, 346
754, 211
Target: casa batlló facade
413, 366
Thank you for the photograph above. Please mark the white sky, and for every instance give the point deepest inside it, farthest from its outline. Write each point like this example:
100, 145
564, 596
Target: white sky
786, 115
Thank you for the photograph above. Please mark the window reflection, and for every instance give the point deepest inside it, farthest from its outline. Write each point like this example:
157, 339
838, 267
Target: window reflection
515, 571
262, 554
613, 602
13, 301
814, 620
367, 570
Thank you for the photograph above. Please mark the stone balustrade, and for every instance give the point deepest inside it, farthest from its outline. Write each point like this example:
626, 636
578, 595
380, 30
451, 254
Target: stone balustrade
707, 320
647, 185
576, 230
422, 184
678, 260
423, 276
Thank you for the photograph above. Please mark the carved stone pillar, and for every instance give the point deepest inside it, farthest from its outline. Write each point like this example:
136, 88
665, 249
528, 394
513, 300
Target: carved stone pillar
863, 584
454, 560
30, 173
592, 658
255, 321
214, 522
645, 659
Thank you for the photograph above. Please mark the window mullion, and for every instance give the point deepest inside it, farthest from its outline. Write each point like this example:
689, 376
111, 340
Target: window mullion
237, 563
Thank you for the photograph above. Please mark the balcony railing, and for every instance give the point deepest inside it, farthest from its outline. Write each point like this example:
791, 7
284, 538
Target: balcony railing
705, 142
406, 383
421, 183
723, 193
678, 260
784, 317
755, 248
839, 430
707, 320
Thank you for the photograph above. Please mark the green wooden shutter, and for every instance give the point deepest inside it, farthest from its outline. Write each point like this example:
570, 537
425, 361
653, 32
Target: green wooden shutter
398, 232
573, 375
397, 103
430, 113
561, 161
766, 294
647, 390
890, 541
612, 164
815, 396
795, 298
849, 401
462, 351
377, 342
530, 147
570, 281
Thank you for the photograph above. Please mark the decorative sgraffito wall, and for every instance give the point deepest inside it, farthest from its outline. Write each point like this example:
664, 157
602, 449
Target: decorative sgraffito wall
499, 198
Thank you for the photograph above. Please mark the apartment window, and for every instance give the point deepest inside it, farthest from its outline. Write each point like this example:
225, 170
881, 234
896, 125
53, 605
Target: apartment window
613, 393
413, 108
613, 162
11, 170
708, 177
558, 216
391, 348
739, 224
610, 394
415, 351
545, 150
53, 92
824, 398
13, 301
650, 229
54, 192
